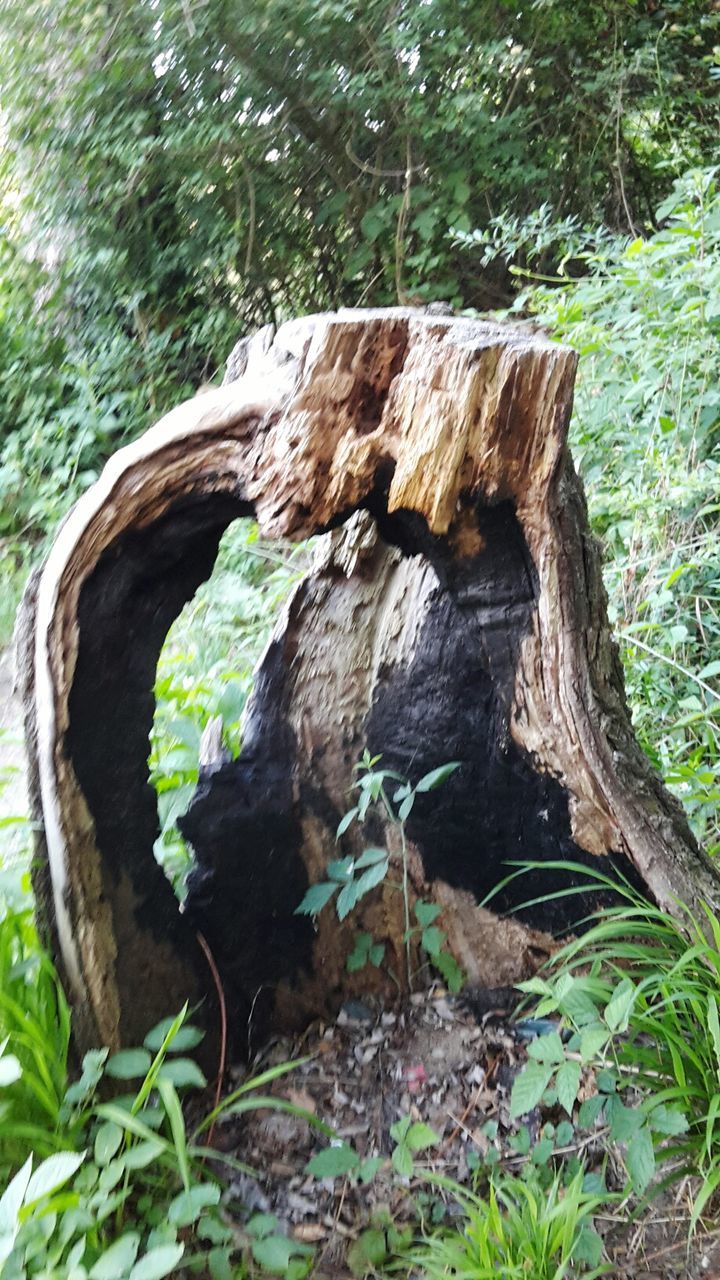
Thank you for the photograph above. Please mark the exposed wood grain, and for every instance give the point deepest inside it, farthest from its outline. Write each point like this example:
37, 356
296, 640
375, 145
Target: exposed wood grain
459, 608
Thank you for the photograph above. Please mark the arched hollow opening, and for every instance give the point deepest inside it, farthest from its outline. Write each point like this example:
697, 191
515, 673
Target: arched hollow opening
205, 673
444, 655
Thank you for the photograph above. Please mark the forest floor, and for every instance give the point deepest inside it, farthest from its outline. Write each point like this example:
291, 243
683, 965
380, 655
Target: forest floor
444, 1063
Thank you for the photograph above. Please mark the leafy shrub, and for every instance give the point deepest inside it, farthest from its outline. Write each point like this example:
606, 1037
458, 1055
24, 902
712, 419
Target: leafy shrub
640, 994
645, 319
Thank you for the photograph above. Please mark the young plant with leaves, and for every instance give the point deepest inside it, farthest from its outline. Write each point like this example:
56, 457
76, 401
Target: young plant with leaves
351, 878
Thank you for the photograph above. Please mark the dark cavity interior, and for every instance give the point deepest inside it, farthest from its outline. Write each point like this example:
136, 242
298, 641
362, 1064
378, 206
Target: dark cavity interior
452, 703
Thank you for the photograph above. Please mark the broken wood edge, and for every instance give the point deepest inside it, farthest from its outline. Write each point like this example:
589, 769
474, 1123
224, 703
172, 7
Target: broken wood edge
443, 399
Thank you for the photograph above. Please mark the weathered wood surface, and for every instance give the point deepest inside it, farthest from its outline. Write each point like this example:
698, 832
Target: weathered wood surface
456, 611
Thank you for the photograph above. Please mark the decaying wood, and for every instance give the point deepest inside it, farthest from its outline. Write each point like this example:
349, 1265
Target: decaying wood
455, 611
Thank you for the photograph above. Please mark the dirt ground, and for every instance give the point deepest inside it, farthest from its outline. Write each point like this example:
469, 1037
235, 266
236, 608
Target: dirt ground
444, 1063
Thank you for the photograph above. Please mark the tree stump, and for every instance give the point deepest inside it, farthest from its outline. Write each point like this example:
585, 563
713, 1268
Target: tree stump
455, 611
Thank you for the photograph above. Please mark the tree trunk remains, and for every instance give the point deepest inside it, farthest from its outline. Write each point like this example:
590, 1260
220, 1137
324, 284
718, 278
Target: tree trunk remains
455, 611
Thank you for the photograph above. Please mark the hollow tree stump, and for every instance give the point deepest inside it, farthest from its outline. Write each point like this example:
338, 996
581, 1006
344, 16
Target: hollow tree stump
455, 611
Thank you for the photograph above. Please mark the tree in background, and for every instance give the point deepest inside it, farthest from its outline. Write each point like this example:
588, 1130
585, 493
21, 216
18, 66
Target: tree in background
177, 172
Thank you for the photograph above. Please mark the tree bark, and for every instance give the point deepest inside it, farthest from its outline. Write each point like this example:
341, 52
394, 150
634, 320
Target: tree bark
455, 611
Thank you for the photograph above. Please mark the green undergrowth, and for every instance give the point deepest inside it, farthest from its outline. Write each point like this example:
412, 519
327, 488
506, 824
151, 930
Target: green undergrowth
644, 316
206, 669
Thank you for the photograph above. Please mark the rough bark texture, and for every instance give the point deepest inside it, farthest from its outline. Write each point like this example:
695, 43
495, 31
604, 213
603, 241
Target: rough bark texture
455, 612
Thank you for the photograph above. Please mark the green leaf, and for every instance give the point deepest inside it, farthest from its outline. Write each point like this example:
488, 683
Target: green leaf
219, 1264
398, 1130
171, 1102
129, 1064
406, 807
187, 1037
402, 1160
432, 940
369, 1167
547, 1048
158, 1262
529, 1087
371, 857
108, 1140
275, 1253
141, 1154
333, 1162
592, 1041
419, 1136
317, 896
52, 1173
640, 1159
542, 1151
713, 1022
341, 869
587, 1249
567, 1083
370, 879
624, 1121
12, 1199
590, 1110
184, 1073
436, 777
345, 822
617, 1012
347, 898
667, 1120
426, 912
187, 1207
118, 1260
450, 971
